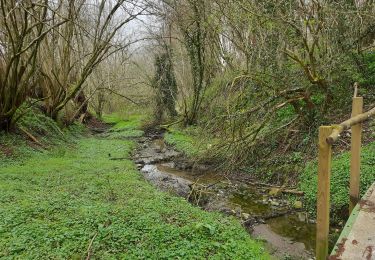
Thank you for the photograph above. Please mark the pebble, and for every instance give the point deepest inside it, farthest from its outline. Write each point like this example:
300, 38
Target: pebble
245, 215
274, 192
297, 204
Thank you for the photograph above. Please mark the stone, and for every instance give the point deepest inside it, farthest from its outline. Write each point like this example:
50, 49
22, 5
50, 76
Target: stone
274, 192
245, 216
297, 204
302, 216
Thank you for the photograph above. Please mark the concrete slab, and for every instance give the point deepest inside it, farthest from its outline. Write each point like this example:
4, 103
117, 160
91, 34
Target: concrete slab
357, 240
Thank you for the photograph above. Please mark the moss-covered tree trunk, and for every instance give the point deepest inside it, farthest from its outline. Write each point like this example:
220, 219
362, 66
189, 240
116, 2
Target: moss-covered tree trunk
165, 84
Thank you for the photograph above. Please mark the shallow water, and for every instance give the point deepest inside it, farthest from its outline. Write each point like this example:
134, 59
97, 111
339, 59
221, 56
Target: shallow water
251, 202
292, 227
206, 178
255, 202
289, 234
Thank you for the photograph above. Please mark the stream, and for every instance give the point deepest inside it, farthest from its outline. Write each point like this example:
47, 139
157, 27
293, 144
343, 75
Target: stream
267, 215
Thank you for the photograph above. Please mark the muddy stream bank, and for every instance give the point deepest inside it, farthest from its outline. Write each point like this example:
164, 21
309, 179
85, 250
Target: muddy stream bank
265, 212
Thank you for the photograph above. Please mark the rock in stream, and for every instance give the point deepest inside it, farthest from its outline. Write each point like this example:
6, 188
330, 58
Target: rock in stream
166, 182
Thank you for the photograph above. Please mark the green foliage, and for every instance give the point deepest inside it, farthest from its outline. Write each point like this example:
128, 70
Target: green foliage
11, 147
124, 127
113, 118
189, 141
339, 179
56, 202
16, 147
285, 114
36, 122
181, 142
124, 122
368, 74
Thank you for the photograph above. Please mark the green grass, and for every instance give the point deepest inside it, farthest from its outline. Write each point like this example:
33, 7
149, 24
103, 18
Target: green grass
125, 126
189, 141
339, 179
18, 147
56, 202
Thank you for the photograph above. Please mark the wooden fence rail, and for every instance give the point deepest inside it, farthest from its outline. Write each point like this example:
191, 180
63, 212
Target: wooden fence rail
327, 136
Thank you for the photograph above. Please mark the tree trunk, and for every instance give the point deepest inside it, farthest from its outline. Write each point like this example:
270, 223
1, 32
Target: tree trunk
99, 109
81, 102
5, 123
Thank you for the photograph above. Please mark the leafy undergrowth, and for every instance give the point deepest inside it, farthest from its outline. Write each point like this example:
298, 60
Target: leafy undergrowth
17, 146
189, 141
75, 202
339, 180
125, 127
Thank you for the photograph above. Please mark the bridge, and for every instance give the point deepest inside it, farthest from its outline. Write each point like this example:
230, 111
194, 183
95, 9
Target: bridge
357, 240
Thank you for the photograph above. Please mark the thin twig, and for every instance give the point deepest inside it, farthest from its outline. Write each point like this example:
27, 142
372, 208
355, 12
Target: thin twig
90, 245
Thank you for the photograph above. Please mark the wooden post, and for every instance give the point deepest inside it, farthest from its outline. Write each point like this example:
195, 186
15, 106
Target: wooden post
355, 162
323, 196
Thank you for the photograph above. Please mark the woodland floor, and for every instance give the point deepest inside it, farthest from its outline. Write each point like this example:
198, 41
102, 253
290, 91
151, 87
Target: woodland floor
76, 202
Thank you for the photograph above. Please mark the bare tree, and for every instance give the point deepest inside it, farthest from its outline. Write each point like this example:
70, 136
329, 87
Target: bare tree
82, 44
23, 26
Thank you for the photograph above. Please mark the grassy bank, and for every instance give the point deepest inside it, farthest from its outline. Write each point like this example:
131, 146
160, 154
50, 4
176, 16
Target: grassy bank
183, 141
73, 200
192, 141
17, 146
339, 180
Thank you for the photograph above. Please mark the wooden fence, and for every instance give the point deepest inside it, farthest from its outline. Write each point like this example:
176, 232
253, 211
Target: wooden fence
327, 136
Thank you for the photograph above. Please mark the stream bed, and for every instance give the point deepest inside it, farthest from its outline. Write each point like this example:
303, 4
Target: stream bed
270, 217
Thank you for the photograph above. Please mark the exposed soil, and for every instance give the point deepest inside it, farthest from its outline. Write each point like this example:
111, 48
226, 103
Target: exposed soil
96, 125
6, 150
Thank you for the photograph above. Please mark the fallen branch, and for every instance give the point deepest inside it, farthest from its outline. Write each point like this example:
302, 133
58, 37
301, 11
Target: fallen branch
120, 95
282, 189
294, 192
277, 214
33, 138
338, 129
